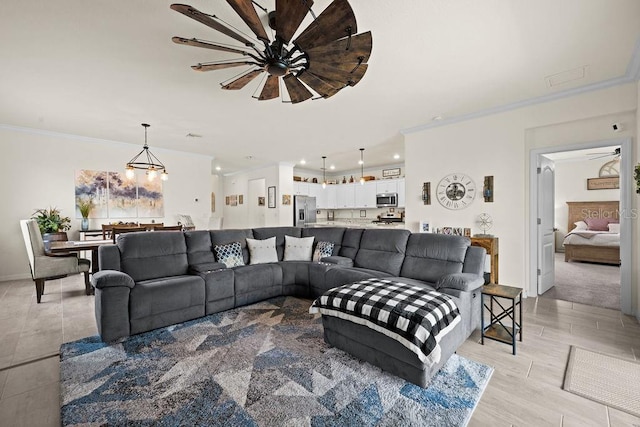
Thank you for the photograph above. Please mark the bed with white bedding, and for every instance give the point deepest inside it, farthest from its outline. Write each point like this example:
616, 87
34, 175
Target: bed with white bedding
584, 244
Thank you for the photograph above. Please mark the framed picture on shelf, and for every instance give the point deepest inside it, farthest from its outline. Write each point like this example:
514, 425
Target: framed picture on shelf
424, 226
467, 232
447, 230
457, 231
390, 172
271, 197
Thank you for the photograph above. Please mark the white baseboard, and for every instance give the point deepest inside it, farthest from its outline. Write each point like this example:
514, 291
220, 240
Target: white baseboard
14, 277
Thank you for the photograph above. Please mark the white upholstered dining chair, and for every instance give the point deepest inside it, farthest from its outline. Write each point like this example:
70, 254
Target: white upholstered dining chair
44, 267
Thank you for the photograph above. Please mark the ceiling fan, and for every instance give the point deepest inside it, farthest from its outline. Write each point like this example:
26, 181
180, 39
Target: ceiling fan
326, 57
615, 153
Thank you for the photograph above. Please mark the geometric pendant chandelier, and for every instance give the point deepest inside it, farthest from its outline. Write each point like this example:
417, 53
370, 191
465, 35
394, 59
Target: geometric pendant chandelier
147, 161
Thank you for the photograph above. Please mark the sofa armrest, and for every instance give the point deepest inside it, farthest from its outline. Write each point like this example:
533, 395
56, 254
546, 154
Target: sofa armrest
206, 267
462, 281
338, 260
111, 279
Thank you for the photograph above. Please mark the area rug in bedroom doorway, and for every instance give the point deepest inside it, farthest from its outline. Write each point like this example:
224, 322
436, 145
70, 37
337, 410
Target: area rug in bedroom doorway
264, 364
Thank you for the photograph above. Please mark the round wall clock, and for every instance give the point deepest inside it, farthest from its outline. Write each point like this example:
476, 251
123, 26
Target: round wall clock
456, 191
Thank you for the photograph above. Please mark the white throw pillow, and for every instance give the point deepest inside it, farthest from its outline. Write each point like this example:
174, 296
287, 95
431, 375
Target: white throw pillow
580, 225
614, 227
262, 251
298, 248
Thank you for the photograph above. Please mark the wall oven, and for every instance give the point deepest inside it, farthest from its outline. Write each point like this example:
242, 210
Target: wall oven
384, 200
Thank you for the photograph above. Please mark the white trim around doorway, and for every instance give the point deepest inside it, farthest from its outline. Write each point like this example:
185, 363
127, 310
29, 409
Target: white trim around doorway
626, 214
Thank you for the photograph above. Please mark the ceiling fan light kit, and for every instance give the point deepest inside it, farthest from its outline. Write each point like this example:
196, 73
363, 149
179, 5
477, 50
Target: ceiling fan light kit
326, 57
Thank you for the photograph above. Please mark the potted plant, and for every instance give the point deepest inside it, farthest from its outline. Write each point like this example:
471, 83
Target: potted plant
53, 225
84, 206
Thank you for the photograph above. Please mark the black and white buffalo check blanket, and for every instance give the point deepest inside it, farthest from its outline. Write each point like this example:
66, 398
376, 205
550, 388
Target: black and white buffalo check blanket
415, 317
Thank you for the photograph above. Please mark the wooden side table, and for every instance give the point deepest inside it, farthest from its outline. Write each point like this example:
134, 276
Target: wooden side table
490, 244
496, 330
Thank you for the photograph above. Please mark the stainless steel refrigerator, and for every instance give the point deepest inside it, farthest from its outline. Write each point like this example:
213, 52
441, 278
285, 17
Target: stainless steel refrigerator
304, 211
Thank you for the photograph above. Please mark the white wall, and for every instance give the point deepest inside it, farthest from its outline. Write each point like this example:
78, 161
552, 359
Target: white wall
280, 176
499, 145
571, 186
39, 171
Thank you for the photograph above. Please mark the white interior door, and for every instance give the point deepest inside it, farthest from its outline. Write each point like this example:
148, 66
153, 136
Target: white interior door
546, 249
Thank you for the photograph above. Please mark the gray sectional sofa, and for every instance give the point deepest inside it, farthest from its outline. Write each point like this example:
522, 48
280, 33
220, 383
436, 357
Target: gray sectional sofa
153, 279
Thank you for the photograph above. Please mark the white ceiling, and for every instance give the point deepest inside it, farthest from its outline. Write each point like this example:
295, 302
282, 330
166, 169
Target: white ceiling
100, 68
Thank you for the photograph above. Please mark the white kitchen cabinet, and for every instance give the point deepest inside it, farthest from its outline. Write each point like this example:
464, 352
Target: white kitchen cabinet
316, 190
387, 186
365, 195
346, 196
300, 188
402, 199
331, 191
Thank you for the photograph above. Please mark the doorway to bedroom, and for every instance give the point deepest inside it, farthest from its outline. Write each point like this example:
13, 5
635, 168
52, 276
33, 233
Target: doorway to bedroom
586, 241
579, 210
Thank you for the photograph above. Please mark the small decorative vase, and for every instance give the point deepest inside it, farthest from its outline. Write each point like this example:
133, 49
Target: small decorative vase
84, 225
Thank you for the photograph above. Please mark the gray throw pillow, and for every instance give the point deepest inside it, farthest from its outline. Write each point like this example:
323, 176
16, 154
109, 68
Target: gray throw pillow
298, 248
323, 249
229, 254
262, 251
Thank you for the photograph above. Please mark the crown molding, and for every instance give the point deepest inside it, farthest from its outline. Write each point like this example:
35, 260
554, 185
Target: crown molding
631, 75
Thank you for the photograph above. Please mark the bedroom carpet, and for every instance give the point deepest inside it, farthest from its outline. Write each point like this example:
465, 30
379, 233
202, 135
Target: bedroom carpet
586, 283
606, 379
264, 364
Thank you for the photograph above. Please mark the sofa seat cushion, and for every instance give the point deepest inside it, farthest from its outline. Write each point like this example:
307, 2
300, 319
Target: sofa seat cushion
157, 296
340, 275
414, 282
251, 278
338, 260
295, 272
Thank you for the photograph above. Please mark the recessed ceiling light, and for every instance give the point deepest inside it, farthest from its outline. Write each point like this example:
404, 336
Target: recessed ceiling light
218, 168
193, 135
249, 157
332, 167
396, 156
303, 162
436, 118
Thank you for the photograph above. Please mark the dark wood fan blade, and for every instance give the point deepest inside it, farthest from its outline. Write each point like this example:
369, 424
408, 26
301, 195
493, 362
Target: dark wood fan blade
247, 12
323, 88
242, 81
359, 47
297, 91
194, 13
271, 89
210, 67
289, 16
206, 45
335, 72
335, 22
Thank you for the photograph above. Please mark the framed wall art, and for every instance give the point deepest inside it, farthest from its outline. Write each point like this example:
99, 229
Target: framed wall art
271, 197
390, 172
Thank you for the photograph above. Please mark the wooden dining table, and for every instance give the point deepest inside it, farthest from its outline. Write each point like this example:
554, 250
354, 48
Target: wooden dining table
79, 246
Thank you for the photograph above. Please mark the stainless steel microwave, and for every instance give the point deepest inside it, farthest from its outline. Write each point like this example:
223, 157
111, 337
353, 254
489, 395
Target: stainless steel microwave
384, 200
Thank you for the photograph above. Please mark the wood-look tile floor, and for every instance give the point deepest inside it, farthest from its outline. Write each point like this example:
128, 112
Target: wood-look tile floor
525, 390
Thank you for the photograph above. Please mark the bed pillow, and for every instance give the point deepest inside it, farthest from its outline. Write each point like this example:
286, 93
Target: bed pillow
597, 224
580, 225
298, 248
262, 251
614, 227
229, 254
323, 249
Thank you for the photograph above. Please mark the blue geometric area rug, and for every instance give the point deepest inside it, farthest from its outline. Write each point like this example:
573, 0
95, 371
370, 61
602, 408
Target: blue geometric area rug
261, 365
